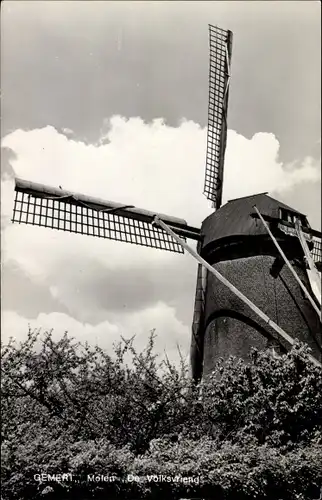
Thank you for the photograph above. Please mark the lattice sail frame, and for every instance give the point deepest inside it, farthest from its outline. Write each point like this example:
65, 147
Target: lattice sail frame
220, 44
200, 298
40, 205
317, 249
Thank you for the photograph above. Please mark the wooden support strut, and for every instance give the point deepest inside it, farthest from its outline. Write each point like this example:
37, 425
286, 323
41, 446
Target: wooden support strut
287, 262
227, 283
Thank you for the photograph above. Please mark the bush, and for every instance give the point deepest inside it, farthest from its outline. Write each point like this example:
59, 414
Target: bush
248, 431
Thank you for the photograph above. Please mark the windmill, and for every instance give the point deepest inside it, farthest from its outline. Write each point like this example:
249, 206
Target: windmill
254, 254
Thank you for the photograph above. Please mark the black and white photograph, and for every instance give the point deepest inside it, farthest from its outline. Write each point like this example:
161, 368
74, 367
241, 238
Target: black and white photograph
161, 250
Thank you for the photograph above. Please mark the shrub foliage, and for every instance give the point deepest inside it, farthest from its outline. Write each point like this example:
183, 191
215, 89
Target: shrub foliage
247, 431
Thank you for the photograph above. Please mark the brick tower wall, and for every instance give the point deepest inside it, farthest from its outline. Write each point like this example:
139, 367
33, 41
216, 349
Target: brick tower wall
232, 328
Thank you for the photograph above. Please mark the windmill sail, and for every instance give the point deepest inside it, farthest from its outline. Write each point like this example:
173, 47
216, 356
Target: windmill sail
196, 348
45, 206
317, 250
220, 42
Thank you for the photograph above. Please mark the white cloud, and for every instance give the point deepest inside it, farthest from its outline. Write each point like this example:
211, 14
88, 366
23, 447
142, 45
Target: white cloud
67, 131
252, 166
170, 332
153, 166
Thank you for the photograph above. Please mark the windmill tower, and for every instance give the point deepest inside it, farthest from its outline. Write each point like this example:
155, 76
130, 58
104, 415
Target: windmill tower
252, 287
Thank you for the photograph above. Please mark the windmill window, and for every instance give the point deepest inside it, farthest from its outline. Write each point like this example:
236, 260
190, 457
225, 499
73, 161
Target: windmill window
304, 221
292, 217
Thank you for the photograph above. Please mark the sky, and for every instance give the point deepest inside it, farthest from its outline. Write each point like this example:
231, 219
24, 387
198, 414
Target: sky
110, 99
